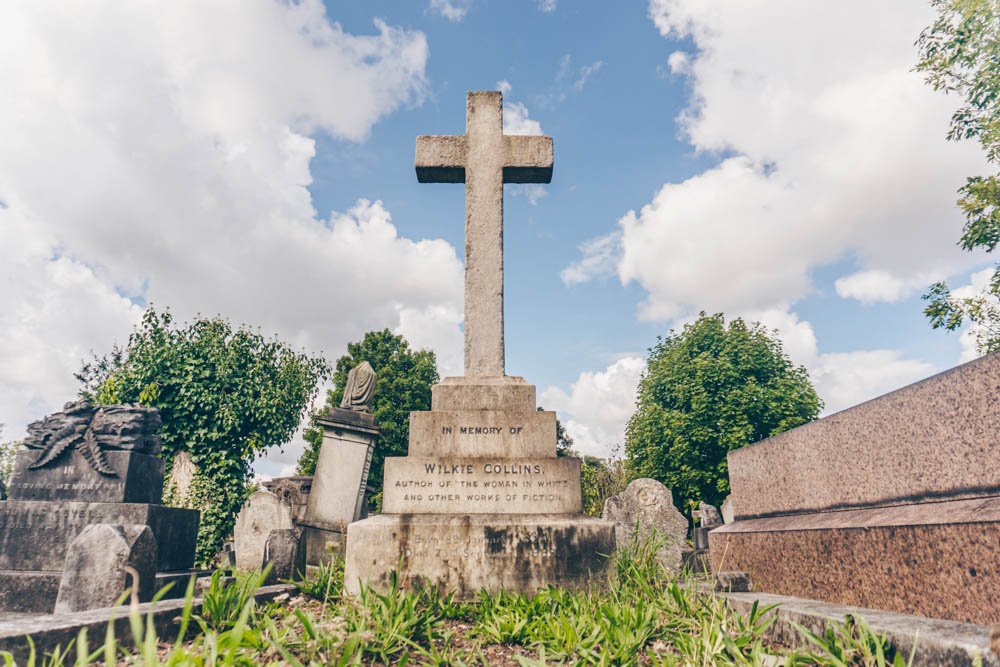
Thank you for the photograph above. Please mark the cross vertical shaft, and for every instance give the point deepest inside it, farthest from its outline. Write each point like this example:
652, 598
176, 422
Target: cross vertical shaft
484, 158
484, 348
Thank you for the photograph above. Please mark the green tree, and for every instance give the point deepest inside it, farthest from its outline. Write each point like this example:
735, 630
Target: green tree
960, 53
404, 383
707, 391
224, 396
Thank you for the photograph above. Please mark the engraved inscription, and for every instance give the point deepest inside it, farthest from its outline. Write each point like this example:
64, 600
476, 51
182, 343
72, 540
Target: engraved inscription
462, 546
532, 486
482, 430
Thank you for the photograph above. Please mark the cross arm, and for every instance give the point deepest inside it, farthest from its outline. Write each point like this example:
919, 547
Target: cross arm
528, 159
441, 158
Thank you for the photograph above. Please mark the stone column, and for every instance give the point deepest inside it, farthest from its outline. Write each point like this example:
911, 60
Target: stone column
337, 497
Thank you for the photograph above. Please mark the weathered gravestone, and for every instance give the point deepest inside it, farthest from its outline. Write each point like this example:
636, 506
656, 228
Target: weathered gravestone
262, 512
481, 501
643, 511
728, 515
84, 465
893, 504
293, 491
286, 554
337, 496
103, 561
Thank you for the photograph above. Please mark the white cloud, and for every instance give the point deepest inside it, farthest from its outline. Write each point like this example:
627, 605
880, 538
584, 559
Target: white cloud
516, 120
842, 379
157, 154
598, 406
504, 86
453, 11
585, 73
846, 379
600, 257
871, 286
833, 154
679, 62
547, 6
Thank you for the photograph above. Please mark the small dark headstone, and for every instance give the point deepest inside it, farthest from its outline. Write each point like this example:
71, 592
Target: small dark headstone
286, 554
730, 581
102, 561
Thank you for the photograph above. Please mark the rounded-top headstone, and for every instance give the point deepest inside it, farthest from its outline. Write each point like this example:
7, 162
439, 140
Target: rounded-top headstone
96, 564
647, 505
262, 512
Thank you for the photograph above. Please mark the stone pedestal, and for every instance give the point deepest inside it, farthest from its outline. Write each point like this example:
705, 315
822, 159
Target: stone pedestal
893, 504
337, 496
482, 502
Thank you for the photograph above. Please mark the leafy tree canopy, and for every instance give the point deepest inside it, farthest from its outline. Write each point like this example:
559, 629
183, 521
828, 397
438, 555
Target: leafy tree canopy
707, 391
959, 54
224, 396
404, 383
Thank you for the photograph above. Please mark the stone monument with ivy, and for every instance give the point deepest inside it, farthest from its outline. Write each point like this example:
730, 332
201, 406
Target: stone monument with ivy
481, 501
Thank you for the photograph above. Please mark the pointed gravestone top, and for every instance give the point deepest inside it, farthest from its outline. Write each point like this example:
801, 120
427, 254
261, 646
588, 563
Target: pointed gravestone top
484, 158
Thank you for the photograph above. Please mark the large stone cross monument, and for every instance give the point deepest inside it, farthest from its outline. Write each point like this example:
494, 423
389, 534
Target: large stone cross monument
484, 158
481, 501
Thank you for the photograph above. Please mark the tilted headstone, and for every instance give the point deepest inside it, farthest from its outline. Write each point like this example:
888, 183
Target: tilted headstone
481, 501
727, 510
179, 485
337, 495
97, 564
84, 465
645, 510
262, 512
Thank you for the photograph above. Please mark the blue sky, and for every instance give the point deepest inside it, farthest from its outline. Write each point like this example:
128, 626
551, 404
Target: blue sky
779, 162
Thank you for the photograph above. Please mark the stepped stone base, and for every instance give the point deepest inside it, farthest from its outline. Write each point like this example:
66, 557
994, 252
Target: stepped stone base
469, 553
930, 559
34, 592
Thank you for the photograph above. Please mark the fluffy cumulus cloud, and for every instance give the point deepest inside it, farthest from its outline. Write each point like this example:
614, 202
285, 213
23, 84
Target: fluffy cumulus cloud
836, 153
157, 154
597, 406
829, 151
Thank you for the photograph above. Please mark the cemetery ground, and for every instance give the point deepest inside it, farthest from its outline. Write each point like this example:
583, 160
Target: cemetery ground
642, 616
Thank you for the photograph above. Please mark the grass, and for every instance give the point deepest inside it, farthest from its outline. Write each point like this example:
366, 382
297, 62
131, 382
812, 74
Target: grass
642, 617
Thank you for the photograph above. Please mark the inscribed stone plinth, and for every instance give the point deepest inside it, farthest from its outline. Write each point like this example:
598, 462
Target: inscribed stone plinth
891, 504
646, 508
95, 572
481, 502
136, 478
261, 513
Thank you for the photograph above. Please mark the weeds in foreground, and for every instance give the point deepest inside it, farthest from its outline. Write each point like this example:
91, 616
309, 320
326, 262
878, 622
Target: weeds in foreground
640, 617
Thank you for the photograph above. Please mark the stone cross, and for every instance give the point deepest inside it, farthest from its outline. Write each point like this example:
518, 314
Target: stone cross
484, 158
